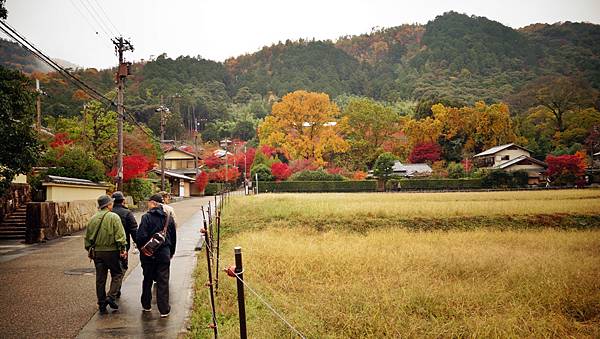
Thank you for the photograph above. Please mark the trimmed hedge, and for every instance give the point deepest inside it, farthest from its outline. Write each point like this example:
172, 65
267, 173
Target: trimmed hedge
318, 186
434, 184
213, 188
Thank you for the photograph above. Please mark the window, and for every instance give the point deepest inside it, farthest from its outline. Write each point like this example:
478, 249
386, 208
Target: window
505, 157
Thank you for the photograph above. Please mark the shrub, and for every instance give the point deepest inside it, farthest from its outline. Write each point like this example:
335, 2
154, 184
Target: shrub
319, 186
138, 189
502, 179
456, 170
359, 175
433, 184
263, 172
318, 175
213, 188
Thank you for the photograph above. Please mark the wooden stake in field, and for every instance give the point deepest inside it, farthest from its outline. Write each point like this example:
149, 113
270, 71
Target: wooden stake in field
218, 247
210, 286
239, 270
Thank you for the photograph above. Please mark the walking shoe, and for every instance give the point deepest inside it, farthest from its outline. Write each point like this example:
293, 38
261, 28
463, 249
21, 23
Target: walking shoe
165, 315
149, 309
102, 309
111, 302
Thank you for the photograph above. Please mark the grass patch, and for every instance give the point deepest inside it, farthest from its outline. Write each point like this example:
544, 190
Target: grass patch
372, 273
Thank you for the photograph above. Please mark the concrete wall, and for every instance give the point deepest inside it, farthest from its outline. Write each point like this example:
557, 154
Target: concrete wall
50, 220
66, 192
20, 179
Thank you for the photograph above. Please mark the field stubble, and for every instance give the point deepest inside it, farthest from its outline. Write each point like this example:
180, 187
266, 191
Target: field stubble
395, 282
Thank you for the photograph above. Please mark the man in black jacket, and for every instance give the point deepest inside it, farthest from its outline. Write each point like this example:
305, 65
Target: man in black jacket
127, 219
157, 267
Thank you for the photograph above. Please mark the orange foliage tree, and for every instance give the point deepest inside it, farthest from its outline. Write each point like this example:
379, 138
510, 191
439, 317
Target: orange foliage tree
304, 125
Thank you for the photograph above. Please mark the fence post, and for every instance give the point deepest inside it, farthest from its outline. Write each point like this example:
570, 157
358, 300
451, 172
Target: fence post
218, 247
210, 286
239, 270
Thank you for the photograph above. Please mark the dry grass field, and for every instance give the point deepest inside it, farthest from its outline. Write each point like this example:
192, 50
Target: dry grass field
395, 280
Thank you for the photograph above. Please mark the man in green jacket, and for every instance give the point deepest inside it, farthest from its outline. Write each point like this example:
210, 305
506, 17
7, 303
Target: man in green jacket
106, 234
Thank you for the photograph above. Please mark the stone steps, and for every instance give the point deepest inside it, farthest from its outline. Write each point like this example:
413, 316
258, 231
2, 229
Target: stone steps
14, 226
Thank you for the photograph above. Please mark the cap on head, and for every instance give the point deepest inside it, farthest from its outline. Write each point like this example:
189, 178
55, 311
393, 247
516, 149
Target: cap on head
103, 201
118, 196
157, 198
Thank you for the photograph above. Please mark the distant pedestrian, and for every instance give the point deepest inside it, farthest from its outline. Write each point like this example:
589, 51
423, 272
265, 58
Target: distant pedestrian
156, 267
129, 224
168, 209
106, 244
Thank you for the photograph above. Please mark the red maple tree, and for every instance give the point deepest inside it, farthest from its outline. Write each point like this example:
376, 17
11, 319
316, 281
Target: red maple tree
280, 171
202, 181
134, 166
428, 152
566, 169
60, 140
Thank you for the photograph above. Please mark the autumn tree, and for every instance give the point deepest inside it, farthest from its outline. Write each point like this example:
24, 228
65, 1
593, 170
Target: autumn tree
134, 166
566, 169
280, 171
305, 125
370, 125
424, 130
558, 95
428, 152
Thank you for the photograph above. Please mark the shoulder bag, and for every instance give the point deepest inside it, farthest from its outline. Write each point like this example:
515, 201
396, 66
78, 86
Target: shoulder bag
156, 241
92, 249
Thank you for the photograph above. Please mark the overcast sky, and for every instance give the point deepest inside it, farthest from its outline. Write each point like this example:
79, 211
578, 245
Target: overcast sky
78, 30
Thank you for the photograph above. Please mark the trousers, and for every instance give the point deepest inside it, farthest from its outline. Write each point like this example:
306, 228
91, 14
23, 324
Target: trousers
104, 262
159, 272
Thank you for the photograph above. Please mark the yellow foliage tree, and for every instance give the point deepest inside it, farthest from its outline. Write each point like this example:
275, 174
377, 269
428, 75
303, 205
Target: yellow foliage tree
424, 130
305, 125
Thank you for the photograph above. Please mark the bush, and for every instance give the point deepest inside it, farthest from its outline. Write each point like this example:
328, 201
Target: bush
318, 175
318, 186
213, 188
138, 189
263, 171
502, 179
433, 184
456, 170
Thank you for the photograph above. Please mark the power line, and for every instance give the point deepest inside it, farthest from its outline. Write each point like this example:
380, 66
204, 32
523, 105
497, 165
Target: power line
95, 18
79, 83
34, 50
108, 18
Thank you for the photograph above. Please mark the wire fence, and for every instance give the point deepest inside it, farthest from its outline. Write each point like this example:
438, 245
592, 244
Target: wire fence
214, 214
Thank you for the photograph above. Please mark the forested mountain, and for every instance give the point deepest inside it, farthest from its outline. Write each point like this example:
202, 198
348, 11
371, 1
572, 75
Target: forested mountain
454, 59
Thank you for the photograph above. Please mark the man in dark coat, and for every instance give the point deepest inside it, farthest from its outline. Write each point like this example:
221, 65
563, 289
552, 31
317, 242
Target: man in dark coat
127, 219
157, 267
129, 224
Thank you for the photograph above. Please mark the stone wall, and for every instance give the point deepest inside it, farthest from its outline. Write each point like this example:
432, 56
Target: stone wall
50, 220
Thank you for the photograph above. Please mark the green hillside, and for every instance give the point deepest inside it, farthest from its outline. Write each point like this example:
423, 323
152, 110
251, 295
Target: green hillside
454, 59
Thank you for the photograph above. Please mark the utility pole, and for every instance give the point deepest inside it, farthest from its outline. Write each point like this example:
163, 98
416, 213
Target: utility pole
162, 109
121, 45
38, 120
